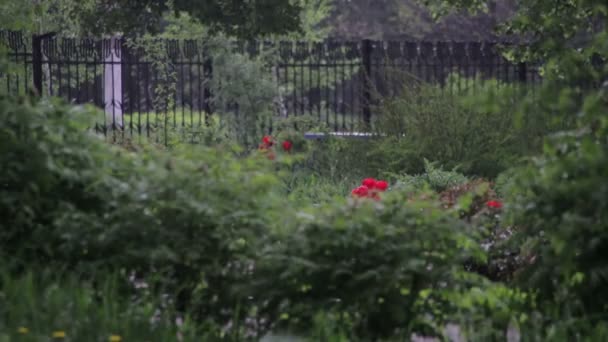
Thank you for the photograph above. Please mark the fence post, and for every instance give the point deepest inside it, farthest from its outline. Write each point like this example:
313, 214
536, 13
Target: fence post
37, 63
208, 75
37, 60
522, 70
366, 54
112, 83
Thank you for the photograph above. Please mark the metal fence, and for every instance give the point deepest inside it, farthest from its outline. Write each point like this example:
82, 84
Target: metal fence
333, 82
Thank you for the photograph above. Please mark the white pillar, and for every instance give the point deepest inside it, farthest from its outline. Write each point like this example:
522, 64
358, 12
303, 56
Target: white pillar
112, 86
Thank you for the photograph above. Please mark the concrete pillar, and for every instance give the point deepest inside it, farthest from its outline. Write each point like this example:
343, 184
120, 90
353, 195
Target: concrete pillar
112, 85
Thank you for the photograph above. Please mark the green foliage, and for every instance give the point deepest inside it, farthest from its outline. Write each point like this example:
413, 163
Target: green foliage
41, 17
477, 310
437, 128
242, 80
243, 90
559, 201
480, 135
185, 222
245, 18
214, 232
368, 262
547, 24
303, 187
314, 15
236, 17
14, 15
504, 182
352, 159
433, 177
34, 306
338, 159
165, 77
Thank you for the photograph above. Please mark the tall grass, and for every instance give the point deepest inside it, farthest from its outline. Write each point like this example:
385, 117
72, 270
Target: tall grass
41, 306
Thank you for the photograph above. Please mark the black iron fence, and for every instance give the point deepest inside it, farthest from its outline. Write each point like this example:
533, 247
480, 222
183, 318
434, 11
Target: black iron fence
182, 83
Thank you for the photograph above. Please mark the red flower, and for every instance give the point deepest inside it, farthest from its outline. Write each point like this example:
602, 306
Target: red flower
267, 140
369, 182
494, 204
361, 191
287, 145
381, 185
375, 196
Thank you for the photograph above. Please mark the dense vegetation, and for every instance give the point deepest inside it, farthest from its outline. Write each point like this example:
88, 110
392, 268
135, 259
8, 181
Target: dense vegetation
495, 231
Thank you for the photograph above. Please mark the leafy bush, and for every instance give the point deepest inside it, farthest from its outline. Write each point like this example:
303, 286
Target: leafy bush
186, 222
560, 203
344, 158
369, 262
479, 134
35, 307
433, 177
474, 135
303, 187
504, 182
478, 310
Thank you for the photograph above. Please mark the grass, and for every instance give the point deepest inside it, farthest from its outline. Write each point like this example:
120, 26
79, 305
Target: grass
142, 122
43, 306
304, 187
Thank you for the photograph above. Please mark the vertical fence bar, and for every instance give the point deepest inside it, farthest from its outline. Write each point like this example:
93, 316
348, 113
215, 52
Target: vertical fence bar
336, 65
327, 94
310, 58
522, 71
67, 48
37, 60
37, 63
208, 74
301, 54
342, 86
366, 53
319, 60
294, 74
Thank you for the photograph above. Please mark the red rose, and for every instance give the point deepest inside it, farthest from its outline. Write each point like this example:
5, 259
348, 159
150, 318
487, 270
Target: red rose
361, 191
381, 185
369, 182
267, 140
287, 145
494, 204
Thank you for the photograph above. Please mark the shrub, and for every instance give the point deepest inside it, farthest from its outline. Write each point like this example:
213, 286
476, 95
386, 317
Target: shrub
303, 187
36, 306
560, 203
504, 182
433, 177
185, 222
479, 133
338, 158
476, 309
369, 262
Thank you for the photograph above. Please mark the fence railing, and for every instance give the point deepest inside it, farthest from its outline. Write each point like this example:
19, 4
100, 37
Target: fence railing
334, 82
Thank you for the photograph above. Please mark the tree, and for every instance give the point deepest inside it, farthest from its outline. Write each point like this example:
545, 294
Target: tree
242, 18
41, 16
547, 25
557, 201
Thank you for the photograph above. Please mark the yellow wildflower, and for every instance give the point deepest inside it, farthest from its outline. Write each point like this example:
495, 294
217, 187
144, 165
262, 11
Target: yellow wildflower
115, 338
59, 334
23, 330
